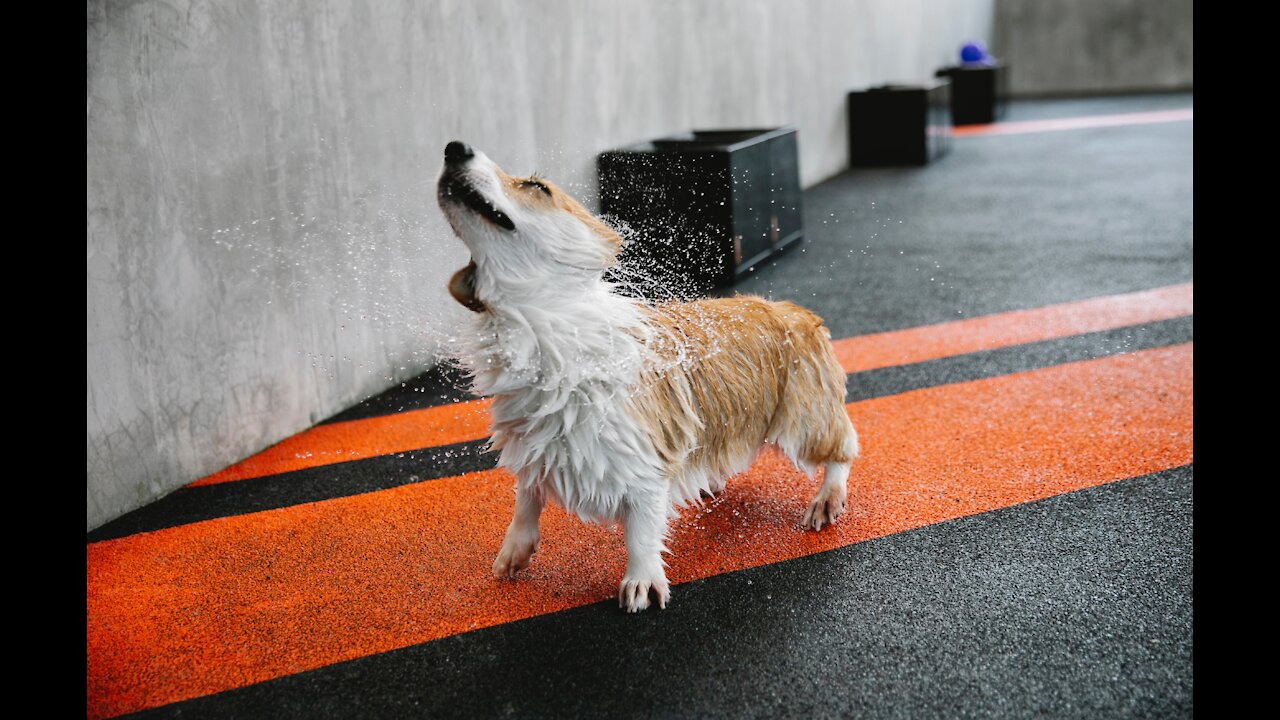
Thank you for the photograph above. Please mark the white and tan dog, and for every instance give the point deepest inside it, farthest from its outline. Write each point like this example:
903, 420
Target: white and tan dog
616, 409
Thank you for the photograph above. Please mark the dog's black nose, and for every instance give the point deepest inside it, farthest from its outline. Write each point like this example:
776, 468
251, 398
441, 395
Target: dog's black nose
456, 152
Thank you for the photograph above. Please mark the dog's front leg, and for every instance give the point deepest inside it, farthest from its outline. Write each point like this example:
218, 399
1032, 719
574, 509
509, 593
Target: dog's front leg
523, 535
645, 526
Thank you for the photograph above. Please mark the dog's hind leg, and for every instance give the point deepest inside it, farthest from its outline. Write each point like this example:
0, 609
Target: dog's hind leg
828, 504
523, 534
811, 424
645, 527
813, 440
830, 501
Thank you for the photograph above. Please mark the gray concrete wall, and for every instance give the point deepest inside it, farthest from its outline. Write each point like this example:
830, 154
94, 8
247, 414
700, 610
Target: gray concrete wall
264, 247
1081, 47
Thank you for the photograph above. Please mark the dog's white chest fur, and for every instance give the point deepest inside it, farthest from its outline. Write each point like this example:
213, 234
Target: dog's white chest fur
560, 377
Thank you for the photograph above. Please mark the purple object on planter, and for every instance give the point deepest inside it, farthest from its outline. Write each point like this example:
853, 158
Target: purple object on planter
974, 53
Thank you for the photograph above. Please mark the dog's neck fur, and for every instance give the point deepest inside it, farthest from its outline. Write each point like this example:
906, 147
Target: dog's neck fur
555, 335
560, 359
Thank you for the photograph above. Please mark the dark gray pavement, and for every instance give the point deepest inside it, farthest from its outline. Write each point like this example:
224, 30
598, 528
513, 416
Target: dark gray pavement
1000, 223
1078, 606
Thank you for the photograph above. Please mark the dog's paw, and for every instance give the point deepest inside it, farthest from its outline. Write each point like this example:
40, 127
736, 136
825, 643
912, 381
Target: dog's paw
825, 508
633, 593
516, 554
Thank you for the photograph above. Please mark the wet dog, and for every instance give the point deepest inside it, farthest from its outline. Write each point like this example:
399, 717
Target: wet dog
617, 409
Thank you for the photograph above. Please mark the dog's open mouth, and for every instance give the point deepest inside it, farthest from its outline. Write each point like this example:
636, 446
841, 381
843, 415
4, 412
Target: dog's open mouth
459, 190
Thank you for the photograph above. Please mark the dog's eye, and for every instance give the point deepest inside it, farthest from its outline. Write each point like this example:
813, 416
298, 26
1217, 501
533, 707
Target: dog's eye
535, 181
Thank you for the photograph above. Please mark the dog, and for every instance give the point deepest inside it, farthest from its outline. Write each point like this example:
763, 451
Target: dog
619, 410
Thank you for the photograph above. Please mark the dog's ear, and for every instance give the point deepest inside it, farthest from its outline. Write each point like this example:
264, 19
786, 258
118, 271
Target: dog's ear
609, 237
462, 286
610, 241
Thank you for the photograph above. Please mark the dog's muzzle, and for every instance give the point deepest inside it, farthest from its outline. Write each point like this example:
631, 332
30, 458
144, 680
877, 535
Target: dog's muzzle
458, 152
454, 186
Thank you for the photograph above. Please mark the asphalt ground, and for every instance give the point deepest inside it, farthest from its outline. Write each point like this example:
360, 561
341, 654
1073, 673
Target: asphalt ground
1016, 322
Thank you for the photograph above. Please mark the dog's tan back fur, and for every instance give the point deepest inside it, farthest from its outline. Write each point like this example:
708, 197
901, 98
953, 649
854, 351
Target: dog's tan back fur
734, 373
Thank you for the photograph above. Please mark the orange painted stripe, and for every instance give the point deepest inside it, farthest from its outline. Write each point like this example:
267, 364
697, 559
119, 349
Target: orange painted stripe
214, 605
358, 439
467, 421
1072, 123
930, 342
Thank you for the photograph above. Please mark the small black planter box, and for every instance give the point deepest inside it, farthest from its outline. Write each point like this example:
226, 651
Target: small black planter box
899, 124
706, 206
979, 94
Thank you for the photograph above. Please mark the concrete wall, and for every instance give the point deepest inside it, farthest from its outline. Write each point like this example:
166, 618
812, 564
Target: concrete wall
1078, 47
264, 247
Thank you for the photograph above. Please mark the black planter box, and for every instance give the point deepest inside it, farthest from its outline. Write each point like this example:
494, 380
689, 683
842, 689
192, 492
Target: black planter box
899, 124
979, 94
705, 206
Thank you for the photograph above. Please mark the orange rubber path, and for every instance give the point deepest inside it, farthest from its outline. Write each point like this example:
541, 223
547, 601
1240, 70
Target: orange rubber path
466, 421
1072, 123
214, 605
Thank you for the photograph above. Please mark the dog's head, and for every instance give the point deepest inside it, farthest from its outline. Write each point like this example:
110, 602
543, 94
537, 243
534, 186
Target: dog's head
520, 230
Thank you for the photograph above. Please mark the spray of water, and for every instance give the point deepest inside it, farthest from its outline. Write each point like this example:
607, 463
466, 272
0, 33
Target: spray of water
365, 266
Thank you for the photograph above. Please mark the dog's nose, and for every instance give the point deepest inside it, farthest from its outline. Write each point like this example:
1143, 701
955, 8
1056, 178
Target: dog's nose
456, 152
